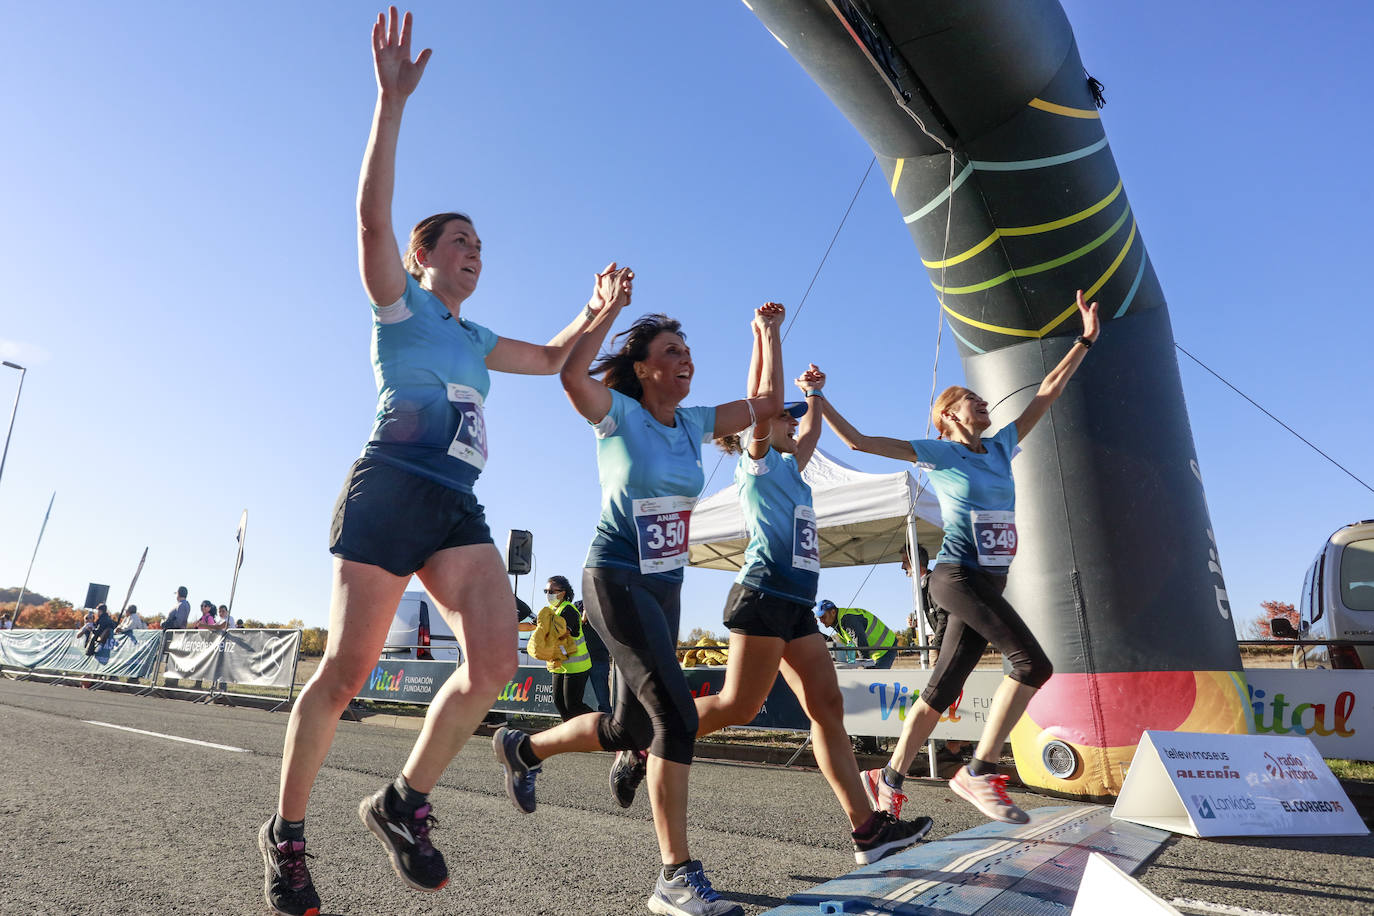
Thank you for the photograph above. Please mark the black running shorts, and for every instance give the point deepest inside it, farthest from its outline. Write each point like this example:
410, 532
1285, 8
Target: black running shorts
397, 520
752, 613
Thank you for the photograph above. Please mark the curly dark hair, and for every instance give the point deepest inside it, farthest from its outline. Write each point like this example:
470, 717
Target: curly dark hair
561, 582
617, 370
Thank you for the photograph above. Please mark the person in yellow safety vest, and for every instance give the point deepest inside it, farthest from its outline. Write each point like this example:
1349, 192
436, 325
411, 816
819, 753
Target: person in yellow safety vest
569, 676
856, 627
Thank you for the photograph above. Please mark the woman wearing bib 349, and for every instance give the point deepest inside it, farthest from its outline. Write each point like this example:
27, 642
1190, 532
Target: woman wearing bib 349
648, 454
408, 507
972, 478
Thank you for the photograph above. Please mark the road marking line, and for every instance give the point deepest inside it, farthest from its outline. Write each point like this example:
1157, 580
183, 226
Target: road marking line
139, 731
1220, 908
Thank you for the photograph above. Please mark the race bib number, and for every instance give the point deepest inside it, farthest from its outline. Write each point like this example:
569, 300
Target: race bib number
995, 535
806, 545
470, 442
662, 523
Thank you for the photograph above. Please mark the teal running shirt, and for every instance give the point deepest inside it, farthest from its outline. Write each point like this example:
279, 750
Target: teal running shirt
783, 557
432, 383
651, 477
977, 499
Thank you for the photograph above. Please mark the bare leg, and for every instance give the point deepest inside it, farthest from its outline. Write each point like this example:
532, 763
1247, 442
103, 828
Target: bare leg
1008, 704
576, 734
470, 587
749, 676
361, 607
921, 720
668, 797
809, 671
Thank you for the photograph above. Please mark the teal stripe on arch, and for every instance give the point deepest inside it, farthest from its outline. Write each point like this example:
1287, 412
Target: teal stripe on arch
1026, 164
964, 340
1139, 275
942, 196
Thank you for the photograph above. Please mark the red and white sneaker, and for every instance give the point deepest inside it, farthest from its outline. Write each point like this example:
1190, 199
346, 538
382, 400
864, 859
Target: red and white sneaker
881, 795
988, 793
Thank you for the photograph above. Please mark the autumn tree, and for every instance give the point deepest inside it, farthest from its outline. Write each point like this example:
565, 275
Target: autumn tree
1259, 628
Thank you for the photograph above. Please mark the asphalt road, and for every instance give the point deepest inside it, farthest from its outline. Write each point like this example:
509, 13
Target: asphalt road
101, 820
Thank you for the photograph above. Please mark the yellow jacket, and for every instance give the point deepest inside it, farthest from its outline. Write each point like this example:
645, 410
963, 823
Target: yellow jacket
550, 642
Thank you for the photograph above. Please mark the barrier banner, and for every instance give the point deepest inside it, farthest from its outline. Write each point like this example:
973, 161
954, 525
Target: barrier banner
1332, 709
876, 701
780, 710
191, 654
261, 658
125, 654
406, 680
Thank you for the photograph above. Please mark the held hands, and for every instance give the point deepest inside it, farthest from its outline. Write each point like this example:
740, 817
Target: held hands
1091, 326
397, 74
813, 379
769, 315
613, 288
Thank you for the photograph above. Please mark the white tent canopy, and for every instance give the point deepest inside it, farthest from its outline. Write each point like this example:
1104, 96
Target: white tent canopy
861, 518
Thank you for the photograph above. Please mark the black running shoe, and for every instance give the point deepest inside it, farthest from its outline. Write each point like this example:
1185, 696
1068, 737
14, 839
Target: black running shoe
287, 886
406, 839
627, 772
886, 835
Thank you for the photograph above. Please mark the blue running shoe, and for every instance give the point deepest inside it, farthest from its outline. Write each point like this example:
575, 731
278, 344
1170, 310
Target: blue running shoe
519, 778
689, 893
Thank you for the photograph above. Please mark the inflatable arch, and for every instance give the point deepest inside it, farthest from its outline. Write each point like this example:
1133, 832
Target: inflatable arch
984, 122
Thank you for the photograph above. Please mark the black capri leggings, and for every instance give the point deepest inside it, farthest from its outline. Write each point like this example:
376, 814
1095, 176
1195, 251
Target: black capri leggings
978, 615
637, 616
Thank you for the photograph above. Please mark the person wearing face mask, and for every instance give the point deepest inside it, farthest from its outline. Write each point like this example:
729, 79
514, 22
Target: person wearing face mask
569, 674
972, 477
649, 464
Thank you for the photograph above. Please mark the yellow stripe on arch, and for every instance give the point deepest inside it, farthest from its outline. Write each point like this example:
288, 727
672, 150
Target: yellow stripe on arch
897, 175
1062, 316
1092, 290
1052, 108
1041, 267
1028, 230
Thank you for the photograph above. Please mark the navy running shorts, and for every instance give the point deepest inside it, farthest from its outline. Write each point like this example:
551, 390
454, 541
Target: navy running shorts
397, 520
750, 612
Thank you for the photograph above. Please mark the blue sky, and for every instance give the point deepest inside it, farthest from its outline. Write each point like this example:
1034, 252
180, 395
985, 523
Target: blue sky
182, 284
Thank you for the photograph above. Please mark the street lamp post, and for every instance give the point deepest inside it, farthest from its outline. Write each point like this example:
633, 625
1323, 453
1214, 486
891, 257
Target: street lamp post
13, 411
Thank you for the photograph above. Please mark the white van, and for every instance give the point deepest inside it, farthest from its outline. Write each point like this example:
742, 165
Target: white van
419, 631
1338, 599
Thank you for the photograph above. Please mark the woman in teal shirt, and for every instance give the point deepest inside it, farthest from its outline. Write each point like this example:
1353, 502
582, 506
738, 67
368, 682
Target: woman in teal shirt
972, 478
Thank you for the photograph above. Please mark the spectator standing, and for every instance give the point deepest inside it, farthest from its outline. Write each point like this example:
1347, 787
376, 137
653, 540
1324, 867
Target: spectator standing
225, 622
178, 618
207, 616
569, 674
101, 630
87, 628
131, 620
6, 622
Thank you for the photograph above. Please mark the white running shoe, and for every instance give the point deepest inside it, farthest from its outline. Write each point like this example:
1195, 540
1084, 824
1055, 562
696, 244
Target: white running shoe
988, 793
881, 795
689, 893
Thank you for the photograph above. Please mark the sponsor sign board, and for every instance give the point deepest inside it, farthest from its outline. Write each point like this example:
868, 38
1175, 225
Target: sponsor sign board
1234, 785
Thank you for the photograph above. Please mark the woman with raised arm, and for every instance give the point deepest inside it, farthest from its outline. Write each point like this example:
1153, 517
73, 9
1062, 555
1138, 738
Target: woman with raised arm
648, 453
973, 480
408, 506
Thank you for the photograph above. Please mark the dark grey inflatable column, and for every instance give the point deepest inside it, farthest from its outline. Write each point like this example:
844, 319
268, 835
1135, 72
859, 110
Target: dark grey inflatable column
985, 125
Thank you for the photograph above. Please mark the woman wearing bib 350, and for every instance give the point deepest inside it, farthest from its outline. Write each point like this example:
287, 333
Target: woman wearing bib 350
648, 453
972, 478
408, 507
769, 615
